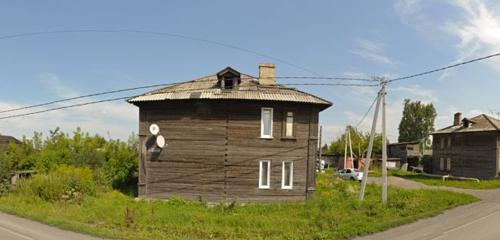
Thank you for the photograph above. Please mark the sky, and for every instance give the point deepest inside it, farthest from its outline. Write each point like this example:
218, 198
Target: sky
303, 38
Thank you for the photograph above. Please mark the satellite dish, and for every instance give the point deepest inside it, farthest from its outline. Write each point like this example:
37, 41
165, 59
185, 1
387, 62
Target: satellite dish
160, 141
154, 129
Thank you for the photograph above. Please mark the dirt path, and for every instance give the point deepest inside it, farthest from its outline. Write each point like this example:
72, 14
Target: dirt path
475, 221
16, 228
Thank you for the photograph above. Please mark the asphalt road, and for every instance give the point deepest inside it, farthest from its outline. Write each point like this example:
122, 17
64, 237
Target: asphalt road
16, 228
477, 221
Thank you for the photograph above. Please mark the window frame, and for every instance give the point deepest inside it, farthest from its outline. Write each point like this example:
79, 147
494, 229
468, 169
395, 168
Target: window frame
441, 164
285, 124
283, 186
448, 164
268, 177
262, 135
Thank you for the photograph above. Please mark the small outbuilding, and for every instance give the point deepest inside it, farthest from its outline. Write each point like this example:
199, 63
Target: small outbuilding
468, 148
229, 136
406, 152
6, 140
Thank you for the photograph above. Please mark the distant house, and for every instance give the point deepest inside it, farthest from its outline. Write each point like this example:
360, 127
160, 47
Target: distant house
407, 152
229, 136
6, 140
468, 148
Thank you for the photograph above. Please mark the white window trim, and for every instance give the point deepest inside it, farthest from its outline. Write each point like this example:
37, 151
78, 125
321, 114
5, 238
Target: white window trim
262, 135
283, 175
268, 186
291, 129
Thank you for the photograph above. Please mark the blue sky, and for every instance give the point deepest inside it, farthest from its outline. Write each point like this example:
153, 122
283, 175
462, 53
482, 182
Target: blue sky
330, 38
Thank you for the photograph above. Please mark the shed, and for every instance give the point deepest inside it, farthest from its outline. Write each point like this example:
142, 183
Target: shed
407, 152
6, 140
229, 136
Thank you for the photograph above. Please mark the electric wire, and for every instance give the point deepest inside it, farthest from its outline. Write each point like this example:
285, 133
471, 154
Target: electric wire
129, 97
444, 68
168, 84
367, 112
175, 35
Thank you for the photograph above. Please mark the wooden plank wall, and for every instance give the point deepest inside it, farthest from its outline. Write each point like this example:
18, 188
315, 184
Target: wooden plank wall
214, 149
472, 154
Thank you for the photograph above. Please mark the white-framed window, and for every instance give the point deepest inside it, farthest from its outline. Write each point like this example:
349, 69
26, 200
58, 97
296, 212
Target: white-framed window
266, 123
287, 175
289, 124
441, 164
265, 174
448, 164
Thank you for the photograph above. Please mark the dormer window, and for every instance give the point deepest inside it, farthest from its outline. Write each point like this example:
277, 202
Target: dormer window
228, 82
467, 123
228, 79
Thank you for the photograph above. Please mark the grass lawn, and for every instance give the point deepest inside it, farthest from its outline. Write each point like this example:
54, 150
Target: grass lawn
334, 213
483, 184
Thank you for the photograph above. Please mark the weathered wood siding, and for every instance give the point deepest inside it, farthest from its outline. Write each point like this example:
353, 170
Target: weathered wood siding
214, 149
471, 154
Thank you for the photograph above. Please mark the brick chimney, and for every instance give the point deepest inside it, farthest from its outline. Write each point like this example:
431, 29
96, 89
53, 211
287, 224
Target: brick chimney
266, 74
457, 119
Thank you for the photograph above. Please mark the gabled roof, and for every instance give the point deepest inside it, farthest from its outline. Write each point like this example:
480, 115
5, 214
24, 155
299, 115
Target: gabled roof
481, 123
248, 89
5, 140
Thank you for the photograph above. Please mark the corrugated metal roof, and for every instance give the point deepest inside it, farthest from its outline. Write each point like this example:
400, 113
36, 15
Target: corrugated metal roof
481, 123
248, 89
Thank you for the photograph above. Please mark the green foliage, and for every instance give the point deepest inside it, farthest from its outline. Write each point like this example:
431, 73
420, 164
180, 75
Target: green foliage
113, 162
417, 121
359, 141
63, 183
333, 213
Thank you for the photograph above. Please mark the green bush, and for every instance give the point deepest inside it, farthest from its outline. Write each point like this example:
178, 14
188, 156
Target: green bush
114, 162
64, 183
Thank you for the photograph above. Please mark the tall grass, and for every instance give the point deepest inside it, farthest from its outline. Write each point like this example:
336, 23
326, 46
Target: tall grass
333, 213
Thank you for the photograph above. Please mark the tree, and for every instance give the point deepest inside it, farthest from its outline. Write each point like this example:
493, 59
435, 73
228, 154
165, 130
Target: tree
417, 121
359, 141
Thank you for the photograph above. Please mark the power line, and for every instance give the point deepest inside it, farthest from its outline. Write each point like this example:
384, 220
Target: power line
80, 97
368, 111
444, 68
169, 84
63, 107
331, 84
128, 97
176, 35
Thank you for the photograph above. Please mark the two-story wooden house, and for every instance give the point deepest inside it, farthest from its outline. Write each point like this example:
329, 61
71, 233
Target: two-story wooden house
468, 148
229, 136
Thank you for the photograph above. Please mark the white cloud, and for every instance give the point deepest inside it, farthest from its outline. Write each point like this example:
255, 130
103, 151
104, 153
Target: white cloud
372, 51
476, 26
54, 83
416, 91
109, 119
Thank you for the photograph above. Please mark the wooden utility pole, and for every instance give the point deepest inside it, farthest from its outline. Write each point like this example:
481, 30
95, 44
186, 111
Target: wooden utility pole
350, 145
345, 150
370, 148
384, 143
320, 147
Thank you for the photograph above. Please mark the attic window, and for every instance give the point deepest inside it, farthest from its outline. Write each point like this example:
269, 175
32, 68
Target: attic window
228, 79
229, 83
467, 123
